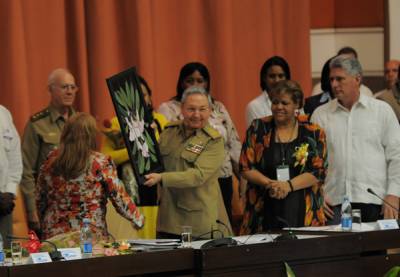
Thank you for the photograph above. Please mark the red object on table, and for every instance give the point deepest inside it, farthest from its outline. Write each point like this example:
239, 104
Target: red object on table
34, 244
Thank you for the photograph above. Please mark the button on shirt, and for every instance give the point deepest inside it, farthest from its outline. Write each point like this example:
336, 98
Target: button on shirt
363, 150
10, 154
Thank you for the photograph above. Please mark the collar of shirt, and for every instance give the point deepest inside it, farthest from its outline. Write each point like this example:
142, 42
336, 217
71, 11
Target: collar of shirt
183, 133
266, 96
363, 100
55, 115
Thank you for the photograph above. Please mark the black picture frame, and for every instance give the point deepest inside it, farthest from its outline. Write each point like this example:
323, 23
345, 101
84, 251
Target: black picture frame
135, 121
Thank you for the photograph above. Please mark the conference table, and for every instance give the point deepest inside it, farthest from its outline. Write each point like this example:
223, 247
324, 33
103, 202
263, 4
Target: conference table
337, 254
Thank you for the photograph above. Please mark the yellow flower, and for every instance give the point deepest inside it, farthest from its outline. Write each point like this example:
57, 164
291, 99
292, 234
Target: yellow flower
301, 155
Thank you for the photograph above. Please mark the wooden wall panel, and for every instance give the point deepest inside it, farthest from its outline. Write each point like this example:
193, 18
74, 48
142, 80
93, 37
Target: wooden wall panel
346, 13
322, 14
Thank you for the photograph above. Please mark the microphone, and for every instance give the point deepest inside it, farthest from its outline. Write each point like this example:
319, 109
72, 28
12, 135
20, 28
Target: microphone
225, 226
290, 235
55, 255
201, 236
220, 241
369, 190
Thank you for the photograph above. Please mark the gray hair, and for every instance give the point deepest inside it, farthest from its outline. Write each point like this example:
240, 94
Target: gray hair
196, 90
349, 64
55, 74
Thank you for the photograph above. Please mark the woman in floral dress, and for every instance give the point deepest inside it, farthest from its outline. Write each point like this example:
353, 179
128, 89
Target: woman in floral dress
76, 181
284, 160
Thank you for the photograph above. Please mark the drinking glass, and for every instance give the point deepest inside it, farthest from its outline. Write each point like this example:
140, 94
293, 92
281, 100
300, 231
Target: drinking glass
16, 252
357, 219
186, 236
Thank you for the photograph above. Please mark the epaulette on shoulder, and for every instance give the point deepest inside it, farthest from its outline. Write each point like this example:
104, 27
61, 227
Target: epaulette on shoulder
173, 124
40, 115
211, 132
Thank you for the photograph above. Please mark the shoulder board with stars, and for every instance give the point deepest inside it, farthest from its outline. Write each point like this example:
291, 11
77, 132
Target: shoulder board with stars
40, 115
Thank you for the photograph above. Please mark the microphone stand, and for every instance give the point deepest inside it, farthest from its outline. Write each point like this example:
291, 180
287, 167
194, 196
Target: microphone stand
225, 226
383, 200
369, 190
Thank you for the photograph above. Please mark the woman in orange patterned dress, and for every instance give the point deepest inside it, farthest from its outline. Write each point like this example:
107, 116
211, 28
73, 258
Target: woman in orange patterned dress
75, 182
284, 160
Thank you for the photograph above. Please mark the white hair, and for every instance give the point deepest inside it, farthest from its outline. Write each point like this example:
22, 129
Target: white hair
349, 64
55, 74
196, 90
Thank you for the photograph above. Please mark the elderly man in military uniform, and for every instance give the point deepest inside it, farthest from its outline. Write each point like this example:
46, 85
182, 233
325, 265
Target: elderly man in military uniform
193, 153
42, 134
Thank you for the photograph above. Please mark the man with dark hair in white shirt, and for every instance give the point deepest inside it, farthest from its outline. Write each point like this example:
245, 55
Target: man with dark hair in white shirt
10, 171
363, 137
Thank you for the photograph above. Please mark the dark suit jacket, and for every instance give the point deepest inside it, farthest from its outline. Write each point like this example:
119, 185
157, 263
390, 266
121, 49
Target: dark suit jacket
312, 103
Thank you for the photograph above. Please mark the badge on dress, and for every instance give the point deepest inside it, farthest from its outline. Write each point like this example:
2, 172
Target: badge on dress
195, 148
282, 173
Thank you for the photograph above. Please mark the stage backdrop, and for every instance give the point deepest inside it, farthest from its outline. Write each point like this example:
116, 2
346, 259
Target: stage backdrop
97, 38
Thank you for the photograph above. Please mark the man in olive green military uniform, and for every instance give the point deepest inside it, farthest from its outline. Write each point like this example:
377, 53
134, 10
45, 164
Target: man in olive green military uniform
42, 134
193, 153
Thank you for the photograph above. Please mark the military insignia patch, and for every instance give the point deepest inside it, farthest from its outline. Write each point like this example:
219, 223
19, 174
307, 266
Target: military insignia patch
195, 148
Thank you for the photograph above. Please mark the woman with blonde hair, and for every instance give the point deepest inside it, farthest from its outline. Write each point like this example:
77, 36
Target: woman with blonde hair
75, 182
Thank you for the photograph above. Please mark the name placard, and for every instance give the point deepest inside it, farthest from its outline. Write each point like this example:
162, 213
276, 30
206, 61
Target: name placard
71, 253
40, 258
388, 224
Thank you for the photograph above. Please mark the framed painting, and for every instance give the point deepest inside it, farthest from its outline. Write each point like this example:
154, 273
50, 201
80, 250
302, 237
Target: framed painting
135, 121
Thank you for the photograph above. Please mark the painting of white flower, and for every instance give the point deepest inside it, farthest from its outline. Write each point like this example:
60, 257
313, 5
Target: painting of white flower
137, 133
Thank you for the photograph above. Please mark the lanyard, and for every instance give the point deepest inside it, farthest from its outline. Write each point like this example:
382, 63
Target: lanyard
284, 147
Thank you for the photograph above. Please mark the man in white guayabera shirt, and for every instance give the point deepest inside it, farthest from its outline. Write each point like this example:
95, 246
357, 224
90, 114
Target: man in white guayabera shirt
10, 171
363, 137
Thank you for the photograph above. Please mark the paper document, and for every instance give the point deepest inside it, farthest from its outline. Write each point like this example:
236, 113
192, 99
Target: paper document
155, 242
364, 227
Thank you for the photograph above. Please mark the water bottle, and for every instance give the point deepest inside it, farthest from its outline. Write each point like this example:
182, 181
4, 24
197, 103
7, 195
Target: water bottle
86, 239
2, 255
347, 215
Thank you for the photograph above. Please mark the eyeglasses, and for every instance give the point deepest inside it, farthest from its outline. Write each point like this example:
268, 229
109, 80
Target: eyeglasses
65, 87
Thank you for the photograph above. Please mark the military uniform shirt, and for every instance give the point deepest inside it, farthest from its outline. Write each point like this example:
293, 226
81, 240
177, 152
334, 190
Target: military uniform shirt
41, 135
190, 192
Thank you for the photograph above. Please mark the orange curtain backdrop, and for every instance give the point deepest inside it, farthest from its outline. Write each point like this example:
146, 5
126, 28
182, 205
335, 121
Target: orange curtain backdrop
98, 38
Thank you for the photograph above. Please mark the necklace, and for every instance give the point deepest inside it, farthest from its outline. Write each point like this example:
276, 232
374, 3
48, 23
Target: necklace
284, 145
